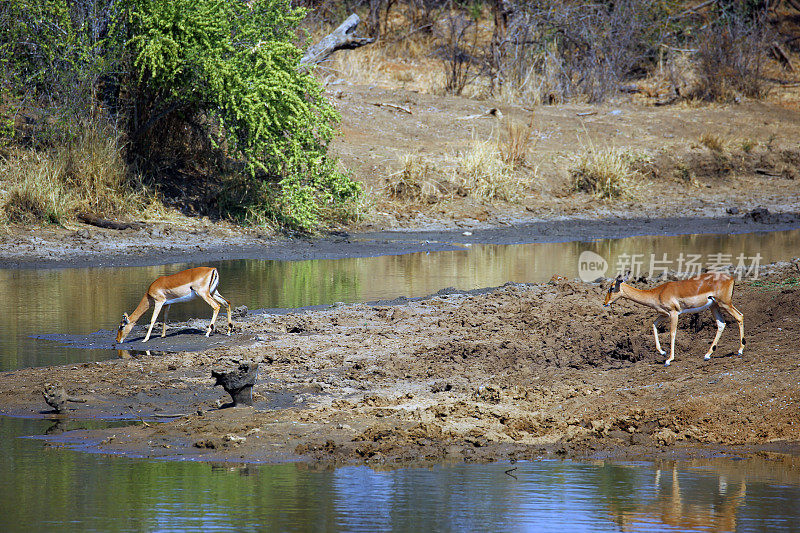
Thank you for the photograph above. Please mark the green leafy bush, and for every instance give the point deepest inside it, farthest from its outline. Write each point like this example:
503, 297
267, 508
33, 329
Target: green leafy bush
168, 73
237, 64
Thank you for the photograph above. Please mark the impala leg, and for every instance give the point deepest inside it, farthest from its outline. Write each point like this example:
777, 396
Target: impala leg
218, 297
673, 328
215, 306
655, 334
156, 310
164, 329
739, 318
720, 327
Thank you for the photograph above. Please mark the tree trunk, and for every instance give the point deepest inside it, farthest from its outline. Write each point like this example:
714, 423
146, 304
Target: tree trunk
340, 39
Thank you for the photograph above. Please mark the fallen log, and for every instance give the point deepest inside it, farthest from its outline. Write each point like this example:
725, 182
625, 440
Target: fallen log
393, 106
94, 220
781, 55
341, 38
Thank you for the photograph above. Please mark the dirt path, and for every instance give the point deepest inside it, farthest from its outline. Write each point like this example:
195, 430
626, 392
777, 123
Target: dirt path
521, 371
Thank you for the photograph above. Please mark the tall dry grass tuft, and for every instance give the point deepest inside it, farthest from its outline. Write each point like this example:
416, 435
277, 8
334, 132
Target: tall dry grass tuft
483, 172
94, 167
605, 173
415, 181
86, 174
36, 194
713, 142
516, 144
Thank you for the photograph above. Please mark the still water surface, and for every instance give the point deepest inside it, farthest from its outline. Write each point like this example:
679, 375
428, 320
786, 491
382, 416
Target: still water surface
45, 488
55, 489
81, 301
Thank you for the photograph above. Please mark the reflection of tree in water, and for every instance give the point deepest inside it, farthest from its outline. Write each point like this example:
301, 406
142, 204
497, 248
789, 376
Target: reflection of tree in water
45, 301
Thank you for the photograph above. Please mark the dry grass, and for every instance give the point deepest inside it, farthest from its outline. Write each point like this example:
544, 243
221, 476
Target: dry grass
36, 194
516, 145
415, 181
87, 174
747, 145
713, 142
485, 175
605, 173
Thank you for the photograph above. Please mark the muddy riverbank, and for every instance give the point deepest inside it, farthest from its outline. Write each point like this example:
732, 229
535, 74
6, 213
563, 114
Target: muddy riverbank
521, 371
59, 247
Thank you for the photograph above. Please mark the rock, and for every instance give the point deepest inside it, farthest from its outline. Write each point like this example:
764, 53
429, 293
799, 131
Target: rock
760, 215
55, 396
441, 386
238, 383
488, 393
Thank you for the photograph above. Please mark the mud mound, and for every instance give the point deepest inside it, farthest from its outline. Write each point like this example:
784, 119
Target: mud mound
509, 373
563, 326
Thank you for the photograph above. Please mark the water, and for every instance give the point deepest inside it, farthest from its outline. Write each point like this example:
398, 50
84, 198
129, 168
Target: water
56, 489
81, 301
51, 488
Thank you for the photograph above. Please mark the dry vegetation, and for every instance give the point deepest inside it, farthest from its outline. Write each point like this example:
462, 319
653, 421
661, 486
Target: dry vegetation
85, 174
608, 173
523, 55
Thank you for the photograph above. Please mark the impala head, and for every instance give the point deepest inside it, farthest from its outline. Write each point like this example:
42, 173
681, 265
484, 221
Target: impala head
614, 292
125, 327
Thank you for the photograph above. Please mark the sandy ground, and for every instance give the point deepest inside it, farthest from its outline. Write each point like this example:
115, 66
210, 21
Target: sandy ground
520, 371
756, 164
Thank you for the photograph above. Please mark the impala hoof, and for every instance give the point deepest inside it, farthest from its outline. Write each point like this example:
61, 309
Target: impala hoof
666, 363
707, 357
662, 352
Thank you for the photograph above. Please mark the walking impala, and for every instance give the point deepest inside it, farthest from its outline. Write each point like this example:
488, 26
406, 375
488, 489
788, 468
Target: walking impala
180, 287
706, 291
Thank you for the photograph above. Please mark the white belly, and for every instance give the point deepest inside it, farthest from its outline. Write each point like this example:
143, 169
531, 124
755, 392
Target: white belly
697, 309
191, 296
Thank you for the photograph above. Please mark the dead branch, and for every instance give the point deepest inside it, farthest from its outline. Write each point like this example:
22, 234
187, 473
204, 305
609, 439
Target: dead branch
94, 220
493, 112
393, 106
781, 55
341, 38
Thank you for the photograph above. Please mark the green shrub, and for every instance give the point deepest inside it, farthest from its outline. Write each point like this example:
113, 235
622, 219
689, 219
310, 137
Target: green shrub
237, 64
169, 73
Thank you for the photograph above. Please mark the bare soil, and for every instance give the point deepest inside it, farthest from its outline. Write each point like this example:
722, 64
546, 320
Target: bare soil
756, 165
684, 180
520, 371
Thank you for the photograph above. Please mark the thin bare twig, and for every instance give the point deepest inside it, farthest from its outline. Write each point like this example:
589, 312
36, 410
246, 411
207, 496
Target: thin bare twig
393, 106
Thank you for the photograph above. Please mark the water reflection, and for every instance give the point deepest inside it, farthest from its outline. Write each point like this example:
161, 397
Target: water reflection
80, 301
55, 489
